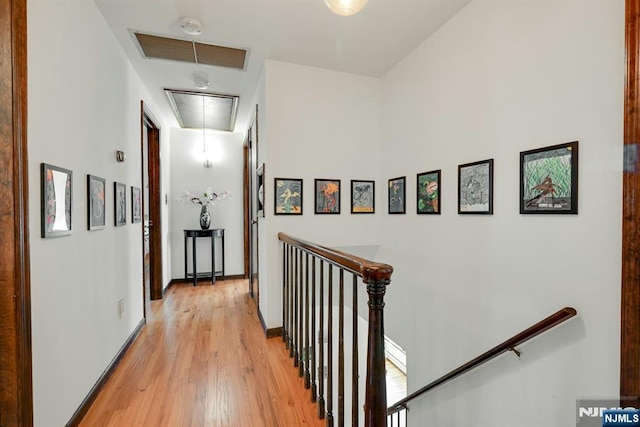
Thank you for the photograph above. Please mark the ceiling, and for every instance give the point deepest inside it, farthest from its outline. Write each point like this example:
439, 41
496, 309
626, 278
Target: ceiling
303, 32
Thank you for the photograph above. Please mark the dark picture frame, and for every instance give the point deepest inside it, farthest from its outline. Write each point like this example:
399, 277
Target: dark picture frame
363, 196
96, 202
136, 205
327, 196
475, 188
120, 204
549, 180
260, 180
56, 191
287, 196
428, 193
397, 194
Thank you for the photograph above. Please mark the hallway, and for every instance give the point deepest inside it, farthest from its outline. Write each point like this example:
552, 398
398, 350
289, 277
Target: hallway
203, 360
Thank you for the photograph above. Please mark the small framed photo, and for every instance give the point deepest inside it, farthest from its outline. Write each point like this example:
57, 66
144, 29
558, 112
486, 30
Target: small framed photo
136, 204
475, 188
55, 200
327, 196
363, 196
549, 180
397, 195
288, 196
120, 203
96, 217
428, 192
260, 179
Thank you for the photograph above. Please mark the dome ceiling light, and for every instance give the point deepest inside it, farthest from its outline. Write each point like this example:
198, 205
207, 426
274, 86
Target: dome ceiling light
190, 26
345, 7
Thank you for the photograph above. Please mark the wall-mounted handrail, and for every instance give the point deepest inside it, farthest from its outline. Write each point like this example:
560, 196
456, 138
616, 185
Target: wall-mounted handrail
298, 337
508, 345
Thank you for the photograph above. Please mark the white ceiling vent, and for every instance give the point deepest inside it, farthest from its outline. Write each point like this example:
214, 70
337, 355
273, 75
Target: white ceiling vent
219, 110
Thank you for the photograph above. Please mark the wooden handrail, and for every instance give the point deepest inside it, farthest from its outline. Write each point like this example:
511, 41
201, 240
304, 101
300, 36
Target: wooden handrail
369, 271
376, 276
508, 345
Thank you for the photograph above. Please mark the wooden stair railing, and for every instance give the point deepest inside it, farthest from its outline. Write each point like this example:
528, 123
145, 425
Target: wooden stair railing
394, 411
309, 272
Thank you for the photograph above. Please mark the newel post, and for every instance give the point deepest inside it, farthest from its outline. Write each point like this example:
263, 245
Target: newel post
375, 407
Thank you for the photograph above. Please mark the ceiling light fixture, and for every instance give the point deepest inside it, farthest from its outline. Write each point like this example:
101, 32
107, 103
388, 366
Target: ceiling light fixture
190, 26
207, 162
345, 7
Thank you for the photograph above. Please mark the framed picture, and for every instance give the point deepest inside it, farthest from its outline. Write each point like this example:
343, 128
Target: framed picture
136, 204
428, 192
363, 196
96, 217
55, 200
260, 189
397, 195
549, 180
288, 196
120, 203
475, 188
327, 196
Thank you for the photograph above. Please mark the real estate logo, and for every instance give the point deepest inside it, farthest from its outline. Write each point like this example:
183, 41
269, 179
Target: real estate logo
608, 412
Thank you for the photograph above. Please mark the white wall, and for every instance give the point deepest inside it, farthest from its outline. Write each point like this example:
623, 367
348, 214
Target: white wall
84, 103
189, 174
317, 124
501, 77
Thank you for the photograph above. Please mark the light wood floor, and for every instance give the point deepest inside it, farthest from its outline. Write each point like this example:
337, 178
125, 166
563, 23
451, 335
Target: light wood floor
203, 360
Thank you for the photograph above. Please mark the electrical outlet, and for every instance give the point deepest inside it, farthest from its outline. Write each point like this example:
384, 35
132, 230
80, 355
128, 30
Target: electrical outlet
121, 307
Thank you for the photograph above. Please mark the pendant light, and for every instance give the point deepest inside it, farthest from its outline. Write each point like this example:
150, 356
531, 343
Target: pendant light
207, 163
345, 7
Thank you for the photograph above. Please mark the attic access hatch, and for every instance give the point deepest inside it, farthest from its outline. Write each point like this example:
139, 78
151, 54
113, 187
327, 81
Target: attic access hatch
219, 110
191, 51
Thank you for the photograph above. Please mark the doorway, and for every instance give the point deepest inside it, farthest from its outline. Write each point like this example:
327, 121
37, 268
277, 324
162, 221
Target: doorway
254, 189
151, 207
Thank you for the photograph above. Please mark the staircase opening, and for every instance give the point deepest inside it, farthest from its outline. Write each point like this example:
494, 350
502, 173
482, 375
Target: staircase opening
396, 365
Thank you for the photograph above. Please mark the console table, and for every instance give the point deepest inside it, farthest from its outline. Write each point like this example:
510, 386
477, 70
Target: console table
211, 234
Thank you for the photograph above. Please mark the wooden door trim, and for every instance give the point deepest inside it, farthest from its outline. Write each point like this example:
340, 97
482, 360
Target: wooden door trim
246, 205
16, 389
155, 200
630, 307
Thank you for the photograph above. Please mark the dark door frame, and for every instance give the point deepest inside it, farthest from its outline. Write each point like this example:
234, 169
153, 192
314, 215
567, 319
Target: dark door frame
246, 205
16, 389
150, 124
630, 304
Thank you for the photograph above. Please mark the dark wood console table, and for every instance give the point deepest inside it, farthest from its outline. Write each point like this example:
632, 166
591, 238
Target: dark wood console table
211, 234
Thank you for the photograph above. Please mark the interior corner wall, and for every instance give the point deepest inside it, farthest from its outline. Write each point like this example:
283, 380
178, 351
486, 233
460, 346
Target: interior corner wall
82, 108
318, 124
502, 77
189, 174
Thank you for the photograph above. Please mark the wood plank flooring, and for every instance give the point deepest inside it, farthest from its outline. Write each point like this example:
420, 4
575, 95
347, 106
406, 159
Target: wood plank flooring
203, 360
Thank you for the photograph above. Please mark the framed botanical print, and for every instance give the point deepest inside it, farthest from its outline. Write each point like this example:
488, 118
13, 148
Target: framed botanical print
475, 188
55, 200
327, 196
136, 204
362, 196
549, 180
96, 216
288, 196
120, 203
428, 192
397, 193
